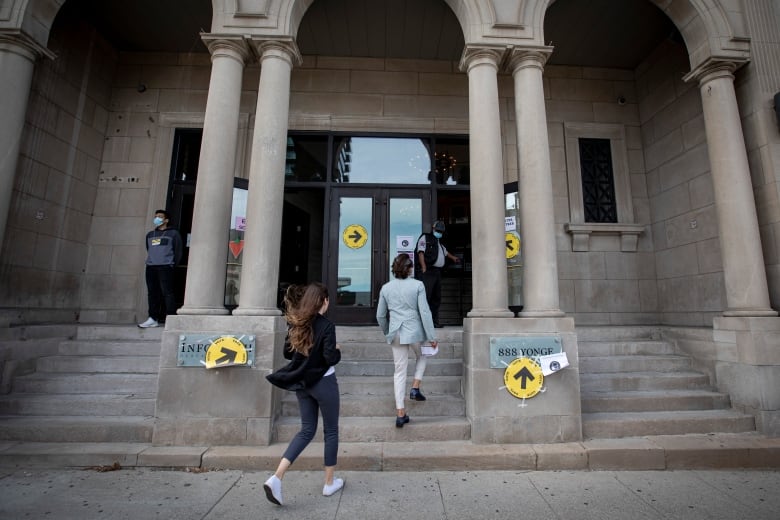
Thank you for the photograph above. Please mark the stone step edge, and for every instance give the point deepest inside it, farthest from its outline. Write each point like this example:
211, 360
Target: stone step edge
662, 452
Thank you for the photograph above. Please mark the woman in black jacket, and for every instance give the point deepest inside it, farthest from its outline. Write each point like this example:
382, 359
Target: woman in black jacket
313, 352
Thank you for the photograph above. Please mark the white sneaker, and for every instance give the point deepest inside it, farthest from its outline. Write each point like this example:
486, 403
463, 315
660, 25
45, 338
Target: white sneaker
149, 323
329, 490
273, 490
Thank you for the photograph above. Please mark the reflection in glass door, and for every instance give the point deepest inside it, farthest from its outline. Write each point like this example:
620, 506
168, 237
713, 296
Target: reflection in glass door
373, 227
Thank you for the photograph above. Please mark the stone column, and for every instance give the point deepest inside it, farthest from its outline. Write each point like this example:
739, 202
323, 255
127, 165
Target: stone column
537, 215
490, 296
747, 293
17, 62
206, 272
263, 234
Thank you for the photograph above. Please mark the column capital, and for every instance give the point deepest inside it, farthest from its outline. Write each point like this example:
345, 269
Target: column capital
714, 68
481, 55
19, 43
285, 49
227, 46
524, 57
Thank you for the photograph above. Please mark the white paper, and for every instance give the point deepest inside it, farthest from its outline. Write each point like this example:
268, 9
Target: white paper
427, 350
553, 363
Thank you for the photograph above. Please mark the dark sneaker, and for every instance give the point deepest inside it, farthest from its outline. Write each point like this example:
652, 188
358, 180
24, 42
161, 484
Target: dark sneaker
416, 395
400, 421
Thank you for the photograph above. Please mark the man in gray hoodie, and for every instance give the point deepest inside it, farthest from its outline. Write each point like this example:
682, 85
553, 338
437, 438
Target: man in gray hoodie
164, 249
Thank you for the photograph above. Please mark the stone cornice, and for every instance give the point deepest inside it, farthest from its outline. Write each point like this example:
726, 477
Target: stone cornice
283, 48
715, 67
532, 56
481, 54
18, 42
227, 45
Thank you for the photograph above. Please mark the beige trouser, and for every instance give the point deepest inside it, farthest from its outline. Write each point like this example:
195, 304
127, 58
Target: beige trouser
401, 359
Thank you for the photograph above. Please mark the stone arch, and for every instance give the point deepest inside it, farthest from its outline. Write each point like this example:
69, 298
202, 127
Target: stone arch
35, 17
703, 24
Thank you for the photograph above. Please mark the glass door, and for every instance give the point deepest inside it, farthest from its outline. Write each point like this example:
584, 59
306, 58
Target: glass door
369, 227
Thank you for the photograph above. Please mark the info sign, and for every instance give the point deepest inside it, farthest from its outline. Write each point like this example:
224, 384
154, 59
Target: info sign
505, 349
216, 350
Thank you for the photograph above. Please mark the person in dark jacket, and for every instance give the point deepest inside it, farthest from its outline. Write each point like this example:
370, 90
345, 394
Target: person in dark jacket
164, 248
313, 352
431, 256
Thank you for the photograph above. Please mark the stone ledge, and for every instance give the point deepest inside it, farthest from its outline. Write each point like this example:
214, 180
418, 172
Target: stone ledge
628, 233
669, 452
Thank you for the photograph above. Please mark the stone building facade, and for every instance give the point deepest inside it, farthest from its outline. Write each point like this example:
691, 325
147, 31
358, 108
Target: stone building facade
91, 120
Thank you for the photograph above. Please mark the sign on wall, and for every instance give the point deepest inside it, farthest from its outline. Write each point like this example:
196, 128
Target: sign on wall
216, 350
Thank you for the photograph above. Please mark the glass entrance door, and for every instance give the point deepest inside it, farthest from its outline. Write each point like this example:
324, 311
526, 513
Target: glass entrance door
369, 227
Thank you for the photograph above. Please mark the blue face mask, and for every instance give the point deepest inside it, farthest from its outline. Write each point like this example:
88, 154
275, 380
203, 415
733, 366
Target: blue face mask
157, 221
437, 234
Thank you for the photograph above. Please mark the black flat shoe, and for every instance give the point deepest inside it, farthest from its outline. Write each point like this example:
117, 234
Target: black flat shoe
416, 395
400, 421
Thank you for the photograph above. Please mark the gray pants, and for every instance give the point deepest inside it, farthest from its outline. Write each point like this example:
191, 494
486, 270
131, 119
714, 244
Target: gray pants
323, 398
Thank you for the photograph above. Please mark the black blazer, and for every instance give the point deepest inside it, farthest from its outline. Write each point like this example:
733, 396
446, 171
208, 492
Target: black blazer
305, 371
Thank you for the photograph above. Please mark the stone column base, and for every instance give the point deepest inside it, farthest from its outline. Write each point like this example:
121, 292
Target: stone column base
553, 415
749, 370
220, 406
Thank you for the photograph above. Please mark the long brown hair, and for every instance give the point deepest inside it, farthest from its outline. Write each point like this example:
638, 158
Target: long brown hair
402, 264
301, 317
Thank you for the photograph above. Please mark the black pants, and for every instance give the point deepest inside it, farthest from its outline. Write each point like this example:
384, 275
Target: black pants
159, 285
431, 279
321, 399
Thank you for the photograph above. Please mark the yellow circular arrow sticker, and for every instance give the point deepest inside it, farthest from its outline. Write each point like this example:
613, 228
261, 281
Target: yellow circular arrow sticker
512, 244
355, 236
523, 378
225, 351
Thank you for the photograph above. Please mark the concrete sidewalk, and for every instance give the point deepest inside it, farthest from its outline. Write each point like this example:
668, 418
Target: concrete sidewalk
148, 493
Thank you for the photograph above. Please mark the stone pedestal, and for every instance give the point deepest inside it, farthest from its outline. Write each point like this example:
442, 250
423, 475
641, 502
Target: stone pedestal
749, 370
553, 415
220, 406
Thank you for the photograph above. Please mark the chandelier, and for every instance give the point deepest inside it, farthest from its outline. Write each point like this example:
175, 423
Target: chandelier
444, 164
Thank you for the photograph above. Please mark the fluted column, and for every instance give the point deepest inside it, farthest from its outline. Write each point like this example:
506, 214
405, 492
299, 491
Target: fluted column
487, 185
206, 272
263, 234
17, 62
537, 213
747, 293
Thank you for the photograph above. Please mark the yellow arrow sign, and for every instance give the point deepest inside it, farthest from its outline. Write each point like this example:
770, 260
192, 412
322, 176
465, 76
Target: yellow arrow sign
225, 351
523, 378
512, 244
355, 236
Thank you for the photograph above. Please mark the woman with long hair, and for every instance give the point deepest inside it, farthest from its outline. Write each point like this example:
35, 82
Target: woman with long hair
409, 324
313, 352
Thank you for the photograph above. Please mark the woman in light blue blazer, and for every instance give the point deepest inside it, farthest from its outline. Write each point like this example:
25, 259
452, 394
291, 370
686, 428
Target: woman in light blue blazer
410, 323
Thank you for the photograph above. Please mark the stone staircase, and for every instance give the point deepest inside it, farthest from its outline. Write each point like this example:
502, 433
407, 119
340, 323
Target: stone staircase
634, 384
366, 385
98, 387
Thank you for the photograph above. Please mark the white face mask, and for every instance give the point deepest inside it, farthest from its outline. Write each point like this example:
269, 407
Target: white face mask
157, 221
437, 234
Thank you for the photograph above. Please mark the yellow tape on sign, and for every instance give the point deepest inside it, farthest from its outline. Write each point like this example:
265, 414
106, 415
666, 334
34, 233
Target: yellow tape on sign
523, 378
225, 351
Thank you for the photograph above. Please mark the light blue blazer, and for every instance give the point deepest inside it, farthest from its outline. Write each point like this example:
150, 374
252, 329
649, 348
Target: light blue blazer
410, 317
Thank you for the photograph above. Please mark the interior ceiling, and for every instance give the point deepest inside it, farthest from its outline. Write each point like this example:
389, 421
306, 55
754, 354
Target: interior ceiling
598, 33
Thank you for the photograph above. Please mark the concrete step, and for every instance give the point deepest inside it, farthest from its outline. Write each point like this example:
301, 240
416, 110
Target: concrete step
618, 333
382, 429
666, 452
623, 348
118, 332
654, 401
75, 383
635, 363
383, 351
384, 406
434, 367
369, 385
32, 332
635, 424
102, 364
76, 429
144, 347
373, 335
643, 381
77, 404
